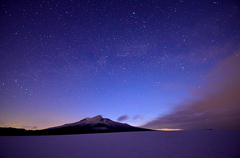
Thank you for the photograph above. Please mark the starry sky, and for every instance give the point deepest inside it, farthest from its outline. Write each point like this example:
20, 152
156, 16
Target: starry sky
156, 64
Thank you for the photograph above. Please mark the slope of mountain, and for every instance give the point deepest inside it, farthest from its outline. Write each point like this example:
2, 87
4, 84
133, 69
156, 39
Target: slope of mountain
97, 124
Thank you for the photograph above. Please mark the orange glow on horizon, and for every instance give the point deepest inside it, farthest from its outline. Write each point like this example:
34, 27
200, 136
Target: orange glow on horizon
168, 129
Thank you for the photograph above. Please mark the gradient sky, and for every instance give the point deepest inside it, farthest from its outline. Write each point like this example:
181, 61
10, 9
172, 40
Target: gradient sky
156, 64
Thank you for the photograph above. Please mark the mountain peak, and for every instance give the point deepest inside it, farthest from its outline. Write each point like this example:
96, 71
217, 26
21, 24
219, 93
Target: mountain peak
93, 120
98, 117
95, 125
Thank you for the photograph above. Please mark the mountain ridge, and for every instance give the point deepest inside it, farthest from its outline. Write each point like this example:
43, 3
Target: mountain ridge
96, 124
91, 121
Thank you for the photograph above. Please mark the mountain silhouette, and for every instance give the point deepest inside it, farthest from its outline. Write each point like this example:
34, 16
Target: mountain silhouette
97, 124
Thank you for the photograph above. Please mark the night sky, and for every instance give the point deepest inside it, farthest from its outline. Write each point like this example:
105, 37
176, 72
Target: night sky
156, 64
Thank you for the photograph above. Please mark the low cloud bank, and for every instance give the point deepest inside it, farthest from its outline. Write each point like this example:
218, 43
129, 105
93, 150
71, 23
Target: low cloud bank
217, 105
122, 118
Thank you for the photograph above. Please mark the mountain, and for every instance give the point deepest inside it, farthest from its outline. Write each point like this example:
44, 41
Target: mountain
97, 124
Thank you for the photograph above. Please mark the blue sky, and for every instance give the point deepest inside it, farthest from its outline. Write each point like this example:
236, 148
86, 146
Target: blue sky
64, 61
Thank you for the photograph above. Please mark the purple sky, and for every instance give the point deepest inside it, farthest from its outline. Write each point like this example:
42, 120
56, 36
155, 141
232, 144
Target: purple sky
215, 105
157, 64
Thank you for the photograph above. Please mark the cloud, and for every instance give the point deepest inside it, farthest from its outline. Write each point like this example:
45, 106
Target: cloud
122, 118
217, 105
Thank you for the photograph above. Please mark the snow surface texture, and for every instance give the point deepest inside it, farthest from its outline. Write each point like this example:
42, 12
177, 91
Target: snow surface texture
181, 144
92, 121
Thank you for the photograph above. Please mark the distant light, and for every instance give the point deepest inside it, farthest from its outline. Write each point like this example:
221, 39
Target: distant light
168, 129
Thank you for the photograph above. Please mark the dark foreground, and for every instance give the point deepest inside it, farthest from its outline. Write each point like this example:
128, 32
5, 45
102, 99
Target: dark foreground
65, 131
181, 144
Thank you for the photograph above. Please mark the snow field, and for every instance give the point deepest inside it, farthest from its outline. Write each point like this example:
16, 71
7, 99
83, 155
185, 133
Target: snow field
185, 144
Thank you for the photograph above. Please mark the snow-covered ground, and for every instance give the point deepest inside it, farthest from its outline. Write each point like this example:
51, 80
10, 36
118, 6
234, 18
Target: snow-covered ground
131, 144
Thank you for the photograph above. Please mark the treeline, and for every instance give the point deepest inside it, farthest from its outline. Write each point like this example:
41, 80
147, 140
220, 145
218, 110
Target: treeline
9, 131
